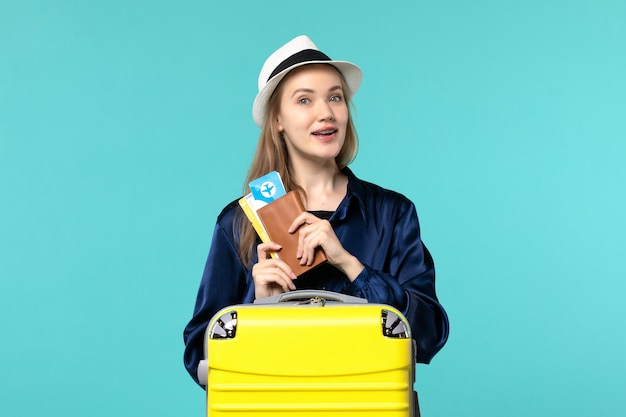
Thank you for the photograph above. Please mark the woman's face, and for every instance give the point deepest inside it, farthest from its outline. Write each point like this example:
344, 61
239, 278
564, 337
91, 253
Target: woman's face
313, 113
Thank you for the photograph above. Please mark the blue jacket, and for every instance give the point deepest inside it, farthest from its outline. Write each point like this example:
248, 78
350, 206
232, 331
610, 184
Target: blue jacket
378, 226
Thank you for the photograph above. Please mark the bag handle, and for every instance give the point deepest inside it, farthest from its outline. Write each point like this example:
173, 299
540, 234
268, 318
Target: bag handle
303, 294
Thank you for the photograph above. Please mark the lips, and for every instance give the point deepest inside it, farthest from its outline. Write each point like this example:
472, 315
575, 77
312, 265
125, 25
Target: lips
326, 131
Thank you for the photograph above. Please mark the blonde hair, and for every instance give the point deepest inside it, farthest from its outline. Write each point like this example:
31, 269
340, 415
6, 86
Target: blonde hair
271, 155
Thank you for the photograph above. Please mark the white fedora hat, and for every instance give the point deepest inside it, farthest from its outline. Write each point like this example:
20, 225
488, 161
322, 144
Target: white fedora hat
295, 53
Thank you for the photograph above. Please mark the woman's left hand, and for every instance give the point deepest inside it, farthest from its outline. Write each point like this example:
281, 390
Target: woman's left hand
315, 232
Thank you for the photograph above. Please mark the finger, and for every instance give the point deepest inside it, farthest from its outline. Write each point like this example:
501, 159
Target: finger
310, 252
274, 271
305, 234
303, 219
280, 277
319, 235
308, 242
285, 271
264, 249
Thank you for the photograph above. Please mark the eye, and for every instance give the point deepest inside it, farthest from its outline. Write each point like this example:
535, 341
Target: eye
336, 98
304, 100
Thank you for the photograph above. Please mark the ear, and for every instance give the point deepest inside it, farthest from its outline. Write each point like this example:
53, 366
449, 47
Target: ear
279, 126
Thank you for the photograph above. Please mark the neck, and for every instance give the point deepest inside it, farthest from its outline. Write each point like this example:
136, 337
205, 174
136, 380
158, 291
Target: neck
324, 186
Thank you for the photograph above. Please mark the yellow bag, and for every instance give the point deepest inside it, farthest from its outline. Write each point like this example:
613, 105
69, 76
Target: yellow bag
307, 353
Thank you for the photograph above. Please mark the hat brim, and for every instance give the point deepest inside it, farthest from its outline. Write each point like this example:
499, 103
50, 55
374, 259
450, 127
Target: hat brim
350, 72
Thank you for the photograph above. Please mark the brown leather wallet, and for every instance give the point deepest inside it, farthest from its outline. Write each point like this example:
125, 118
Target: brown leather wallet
276, 217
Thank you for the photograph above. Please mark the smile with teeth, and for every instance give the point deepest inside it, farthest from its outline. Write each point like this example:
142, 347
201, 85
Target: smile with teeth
326, 132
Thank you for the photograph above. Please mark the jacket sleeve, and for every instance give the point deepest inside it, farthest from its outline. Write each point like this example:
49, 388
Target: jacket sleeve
407, 282
224, 283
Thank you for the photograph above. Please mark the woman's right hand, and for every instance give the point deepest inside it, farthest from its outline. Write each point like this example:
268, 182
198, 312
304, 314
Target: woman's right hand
271, 276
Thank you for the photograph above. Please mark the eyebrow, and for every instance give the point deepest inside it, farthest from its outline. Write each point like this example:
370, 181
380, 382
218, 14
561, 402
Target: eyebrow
310, 91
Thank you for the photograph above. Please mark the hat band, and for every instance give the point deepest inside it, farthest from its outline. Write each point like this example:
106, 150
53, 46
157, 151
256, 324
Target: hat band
298, 58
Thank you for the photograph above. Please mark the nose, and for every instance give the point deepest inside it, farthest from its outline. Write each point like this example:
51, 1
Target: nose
326, 112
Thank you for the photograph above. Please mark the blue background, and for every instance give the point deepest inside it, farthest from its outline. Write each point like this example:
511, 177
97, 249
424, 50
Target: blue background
126, 126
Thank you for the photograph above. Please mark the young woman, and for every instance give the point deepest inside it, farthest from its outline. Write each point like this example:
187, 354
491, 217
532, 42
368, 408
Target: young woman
371, 236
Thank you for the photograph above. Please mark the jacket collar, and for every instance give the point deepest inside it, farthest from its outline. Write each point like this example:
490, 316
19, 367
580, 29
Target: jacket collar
354, 196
